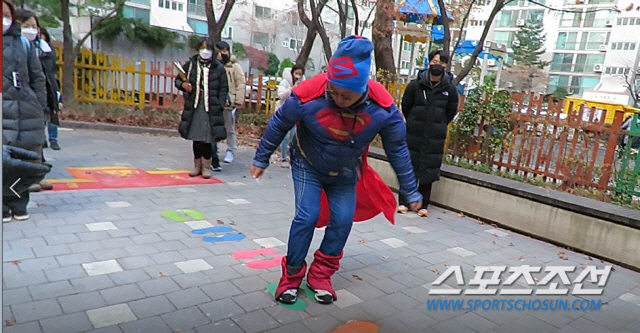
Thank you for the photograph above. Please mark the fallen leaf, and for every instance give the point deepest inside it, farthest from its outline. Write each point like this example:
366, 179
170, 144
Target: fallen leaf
385, 257
356, 277
521, 258
583, 266
590, 258
445, 265
494, 234
220, 222
563, 256
362, 241
460, 214
435, 270
439, 218
494, 242
9, 322
161, 275
601, 261
16, 261
613, 268
232, 223
494, 225
511, 244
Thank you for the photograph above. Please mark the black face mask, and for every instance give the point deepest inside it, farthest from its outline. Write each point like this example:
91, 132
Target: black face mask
225, 58
436, 70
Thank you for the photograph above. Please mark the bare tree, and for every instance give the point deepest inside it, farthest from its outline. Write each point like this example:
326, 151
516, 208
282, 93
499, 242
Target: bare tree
446, 40
464, 8
382, 33
356, 15
215, 27
373, 9
524, 78
633, 87
69, 51
312, 29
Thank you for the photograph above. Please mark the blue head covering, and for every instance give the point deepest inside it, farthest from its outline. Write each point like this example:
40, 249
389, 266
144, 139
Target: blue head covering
349, 66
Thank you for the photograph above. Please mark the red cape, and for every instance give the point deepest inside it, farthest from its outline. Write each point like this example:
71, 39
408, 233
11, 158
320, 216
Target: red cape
373, 197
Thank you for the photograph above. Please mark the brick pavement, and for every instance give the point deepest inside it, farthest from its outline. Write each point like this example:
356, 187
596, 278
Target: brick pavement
107, 261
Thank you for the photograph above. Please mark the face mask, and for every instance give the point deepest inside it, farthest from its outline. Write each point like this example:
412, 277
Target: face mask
6, 24
30, 33
205, 54
225, 58
436, 70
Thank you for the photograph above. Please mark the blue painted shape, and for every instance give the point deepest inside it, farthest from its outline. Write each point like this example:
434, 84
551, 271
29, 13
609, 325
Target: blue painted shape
225, 238
218, 229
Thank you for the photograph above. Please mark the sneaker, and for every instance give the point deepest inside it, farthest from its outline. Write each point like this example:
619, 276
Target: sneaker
402, 209
20, 217
423, 212
228, 158
285, 165
216, 167
46, 145
55, 146
45, 185
35, 188
322, 296
289, 296
6, 218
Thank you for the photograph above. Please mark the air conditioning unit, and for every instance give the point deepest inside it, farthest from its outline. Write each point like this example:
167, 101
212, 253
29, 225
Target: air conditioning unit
571, 91
274, 16
515, 43
491, 62
608, 23
598, 68
602, 48
520, 23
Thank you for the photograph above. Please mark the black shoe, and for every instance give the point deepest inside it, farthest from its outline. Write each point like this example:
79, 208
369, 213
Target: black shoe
46, 145
289, 296
55, 146
322, 296
216, 167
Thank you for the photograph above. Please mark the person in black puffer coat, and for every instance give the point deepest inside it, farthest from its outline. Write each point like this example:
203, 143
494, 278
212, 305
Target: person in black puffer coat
23, 101
429, 104
205, 92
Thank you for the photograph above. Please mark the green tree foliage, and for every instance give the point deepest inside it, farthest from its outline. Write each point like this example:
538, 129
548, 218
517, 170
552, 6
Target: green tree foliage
239, 51
528, 45
48, 11
286, 63
273, 65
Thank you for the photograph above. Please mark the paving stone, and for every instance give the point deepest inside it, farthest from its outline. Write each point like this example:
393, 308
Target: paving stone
15, 296
221, 290
102, 267
85, 247
223, 326
269, 242
51, 290
345, 299
151, 306
17, 254
111, 315
322, 323
291, 328
250, 283
24, 279
187, 298
36, 310
461, 252
28, 243
136, 262
122, 294
221, 309
192, 266
71, 323
254, 301
30, 327
37, 264
146, 239
61, 239
74, 259
185, 319
118, 204
167, 257
101, 226
137, 250
256, 321
91, 283
82, 302
65, 273
153, 324
127, 277
158, 286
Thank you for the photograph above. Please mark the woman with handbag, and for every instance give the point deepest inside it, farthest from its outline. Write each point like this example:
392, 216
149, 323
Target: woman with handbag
205, 89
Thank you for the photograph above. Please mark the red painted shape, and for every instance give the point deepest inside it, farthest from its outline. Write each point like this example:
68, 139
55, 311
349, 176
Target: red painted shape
264, 263
357, 327
125, 177
249, 254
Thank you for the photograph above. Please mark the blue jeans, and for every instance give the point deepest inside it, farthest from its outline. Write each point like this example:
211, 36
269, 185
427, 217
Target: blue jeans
53, 132
284, 146
342, 204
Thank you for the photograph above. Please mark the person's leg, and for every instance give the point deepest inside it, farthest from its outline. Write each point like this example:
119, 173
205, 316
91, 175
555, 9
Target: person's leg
230, 126
6, 210
425, 190
342, 204
284, 146
197, 159
215, 160
19, 207
307, 190
207, 151
53, 136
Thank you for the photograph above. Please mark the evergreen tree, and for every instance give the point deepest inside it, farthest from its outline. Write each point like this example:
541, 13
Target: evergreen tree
528, 45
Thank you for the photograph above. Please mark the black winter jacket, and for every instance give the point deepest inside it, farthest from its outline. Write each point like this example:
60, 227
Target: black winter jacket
428, 110
50, 69
218, 94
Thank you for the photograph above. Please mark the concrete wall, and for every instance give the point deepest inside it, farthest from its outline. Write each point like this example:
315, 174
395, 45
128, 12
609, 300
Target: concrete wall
599, 237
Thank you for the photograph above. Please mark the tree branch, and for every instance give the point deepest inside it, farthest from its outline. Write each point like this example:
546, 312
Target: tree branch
472, 61
355, 12
95, 25
367, 20
464, 22
343, 19
225, 14
320, 28
447, 30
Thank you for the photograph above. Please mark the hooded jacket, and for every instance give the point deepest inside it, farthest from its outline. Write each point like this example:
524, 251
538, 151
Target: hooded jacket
428, 110
237, 81
285, 87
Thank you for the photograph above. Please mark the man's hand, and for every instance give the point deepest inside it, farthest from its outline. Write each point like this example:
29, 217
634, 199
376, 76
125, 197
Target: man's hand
415, 206
256, 172
187, 87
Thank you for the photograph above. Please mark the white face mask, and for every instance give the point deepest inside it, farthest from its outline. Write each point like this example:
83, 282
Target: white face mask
6, 24
30, 33
205, 54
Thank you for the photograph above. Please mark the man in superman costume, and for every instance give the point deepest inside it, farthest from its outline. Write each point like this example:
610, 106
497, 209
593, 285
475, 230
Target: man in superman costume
337, 115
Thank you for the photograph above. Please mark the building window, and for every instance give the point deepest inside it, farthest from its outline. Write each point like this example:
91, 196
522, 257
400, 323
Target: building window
262, 12
404, 64
294, 44
174, 5
561, 62
136, 13
407, 46
199, 27
507, 18
261, 38
161, 3
180, 7
567, 41
535, 15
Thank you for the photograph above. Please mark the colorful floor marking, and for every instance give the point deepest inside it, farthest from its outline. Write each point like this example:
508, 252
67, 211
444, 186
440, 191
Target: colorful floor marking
217, 229
183, 215
299, 305
250, 254
264, 263
225, 238
357, 327
94, 178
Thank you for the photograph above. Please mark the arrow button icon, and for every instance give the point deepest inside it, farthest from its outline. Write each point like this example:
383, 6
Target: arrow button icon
14, 191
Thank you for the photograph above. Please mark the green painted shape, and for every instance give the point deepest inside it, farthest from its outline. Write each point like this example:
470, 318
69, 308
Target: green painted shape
174, 216
307, 291
195, 215
299, 305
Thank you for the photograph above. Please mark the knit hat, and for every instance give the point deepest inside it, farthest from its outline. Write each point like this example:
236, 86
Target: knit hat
349, 66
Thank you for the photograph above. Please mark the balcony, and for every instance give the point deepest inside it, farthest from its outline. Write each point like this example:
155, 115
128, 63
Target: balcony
579, 46
196, 9
141, 2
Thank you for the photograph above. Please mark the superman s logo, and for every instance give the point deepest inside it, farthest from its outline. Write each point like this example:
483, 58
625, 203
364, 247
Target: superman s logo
342, 68
338, 127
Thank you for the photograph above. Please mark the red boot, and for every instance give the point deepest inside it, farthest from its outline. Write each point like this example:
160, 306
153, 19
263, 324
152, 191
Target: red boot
289, 282
319, 278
